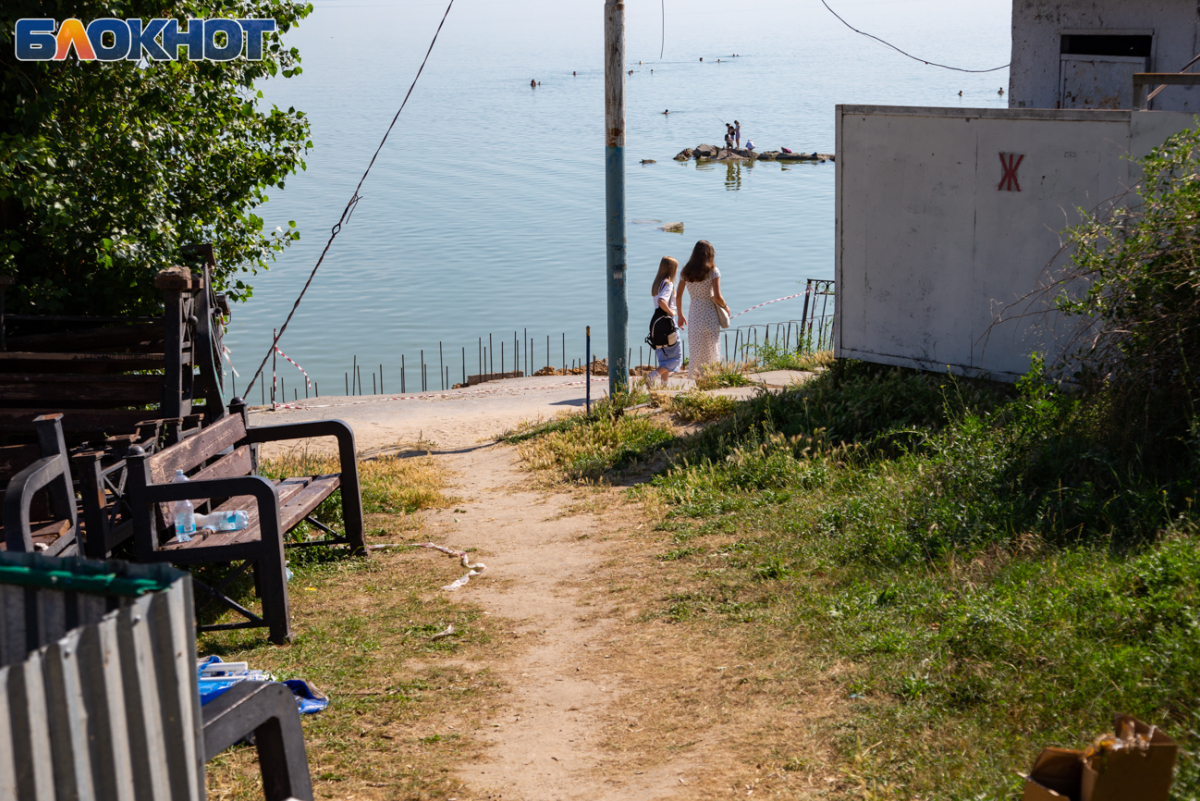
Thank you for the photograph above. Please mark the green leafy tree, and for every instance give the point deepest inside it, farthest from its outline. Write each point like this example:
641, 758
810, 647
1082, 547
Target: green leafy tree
107, 169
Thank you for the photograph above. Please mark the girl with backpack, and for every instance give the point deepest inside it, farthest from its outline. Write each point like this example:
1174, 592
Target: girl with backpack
670, 357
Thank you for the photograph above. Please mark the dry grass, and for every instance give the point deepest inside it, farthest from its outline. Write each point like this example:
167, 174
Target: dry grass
403, 707
394, 487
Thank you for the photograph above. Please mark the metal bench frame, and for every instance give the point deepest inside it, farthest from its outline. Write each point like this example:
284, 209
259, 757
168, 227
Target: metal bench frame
266, 553
52, 472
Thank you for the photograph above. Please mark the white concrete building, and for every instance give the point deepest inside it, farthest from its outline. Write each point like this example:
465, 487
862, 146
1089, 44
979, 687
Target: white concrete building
948, 217
1079, 54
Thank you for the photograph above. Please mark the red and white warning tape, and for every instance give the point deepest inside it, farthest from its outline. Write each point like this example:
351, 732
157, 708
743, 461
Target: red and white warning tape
298, 367
768, 303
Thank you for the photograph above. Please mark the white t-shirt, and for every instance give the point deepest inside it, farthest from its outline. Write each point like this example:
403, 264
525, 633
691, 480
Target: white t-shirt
666, 291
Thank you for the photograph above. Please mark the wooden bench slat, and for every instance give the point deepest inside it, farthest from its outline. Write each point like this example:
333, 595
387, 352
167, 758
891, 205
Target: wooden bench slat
302, 504
85, 363
93, 339
298, 497
189, 453
72, 391
237, 463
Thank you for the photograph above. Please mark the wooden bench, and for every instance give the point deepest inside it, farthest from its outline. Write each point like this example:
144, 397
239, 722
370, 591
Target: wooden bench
94, 369
31, 519
220, 462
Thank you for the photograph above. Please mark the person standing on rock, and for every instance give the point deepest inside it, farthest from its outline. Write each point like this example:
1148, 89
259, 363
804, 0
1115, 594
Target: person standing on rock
701, 275
670, 358
728, 136
737, 133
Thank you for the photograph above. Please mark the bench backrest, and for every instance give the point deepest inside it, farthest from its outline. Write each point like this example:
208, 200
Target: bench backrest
193, 454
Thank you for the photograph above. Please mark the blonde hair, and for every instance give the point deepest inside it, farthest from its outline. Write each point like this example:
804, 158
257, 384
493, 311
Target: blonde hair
666, 272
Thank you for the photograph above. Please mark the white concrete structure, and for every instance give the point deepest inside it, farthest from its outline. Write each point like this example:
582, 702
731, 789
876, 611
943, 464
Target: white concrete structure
1083, 53
947, 216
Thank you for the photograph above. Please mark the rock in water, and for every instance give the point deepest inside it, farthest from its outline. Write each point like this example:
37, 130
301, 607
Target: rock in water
684, 155
649, 161
768, 155
705, 152
673, 227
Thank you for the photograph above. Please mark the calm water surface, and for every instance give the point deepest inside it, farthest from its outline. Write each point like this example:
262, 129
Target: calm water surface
485, 211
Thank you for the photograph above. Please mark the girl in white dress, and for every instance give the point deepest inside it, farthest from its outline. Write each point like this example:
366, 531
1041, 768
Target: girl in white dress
701, 275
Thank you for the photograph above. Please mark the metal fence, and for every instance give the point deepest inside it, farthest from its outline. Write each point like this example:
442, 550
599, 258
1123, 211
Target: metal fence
811, 333
97, 682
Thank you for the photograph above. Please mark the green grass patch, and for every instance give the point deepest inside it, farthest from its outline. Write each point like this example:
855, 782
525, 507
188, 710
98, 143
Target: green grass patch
997, 569
695, 406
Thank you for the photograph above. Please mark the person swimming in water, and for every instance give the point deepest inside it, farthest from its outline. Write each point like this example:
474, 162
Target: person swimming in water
533, 83
667, 111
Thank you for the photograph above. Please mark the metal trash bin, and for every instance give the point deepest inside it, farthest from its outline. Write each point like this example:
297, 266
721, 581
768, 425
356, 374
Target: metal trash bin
98, 694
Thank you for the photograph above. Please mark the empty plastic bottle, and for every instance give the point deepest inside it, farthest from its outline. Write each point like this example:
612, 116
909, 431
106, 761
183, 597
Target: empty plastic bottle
185, 514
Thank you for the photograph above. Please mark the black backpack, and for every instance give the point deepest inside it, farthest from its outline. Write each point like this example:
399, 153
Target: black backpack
663, 332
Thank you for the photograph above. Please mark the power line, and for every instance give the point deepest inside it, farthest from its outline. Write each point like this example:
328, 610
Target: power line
901, 52
346, 212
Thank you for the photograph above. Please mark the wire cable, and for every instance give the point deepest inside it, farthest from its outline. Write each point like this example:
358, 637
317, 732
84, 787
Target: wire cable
350, 205
901, 52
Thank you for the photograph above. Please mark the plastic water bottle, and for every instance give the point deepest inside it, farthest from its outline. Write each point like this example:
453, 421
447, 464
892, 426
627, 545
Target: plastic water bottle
185, 514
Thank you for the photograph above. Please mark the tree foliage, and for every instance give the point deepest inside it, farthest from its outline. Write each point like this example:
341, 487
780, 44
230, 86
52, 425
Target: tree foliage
107, 169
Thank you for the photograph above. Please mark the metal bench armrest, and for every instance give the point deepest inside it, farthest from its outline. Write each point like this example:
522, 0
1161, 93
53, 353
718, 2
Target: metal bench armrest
352, 512
18, 497
269, 711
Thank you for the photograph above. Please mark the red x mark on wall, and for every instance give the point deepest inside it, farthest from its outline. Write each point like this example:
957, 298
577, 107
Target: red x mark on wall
1010, 162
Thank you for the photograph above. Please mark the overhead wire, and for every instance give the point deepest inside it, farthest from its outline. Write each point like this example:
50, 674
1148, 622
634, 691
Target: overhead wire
351, 204
903, 53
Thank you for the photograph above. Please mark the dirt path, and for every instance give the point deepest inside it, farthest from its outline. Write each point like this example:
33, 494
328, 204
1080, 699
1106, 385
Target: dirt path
607, 698
605, 705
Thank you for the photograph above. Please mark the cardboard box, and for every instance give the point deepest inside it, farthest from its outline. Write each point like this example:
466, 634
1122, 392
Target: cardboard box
1117, 775
1132, 773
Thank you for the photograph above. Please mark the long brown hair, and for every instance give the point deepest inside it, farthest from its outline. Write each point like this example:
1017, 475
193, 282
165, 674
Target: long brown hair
666, 272
702, 262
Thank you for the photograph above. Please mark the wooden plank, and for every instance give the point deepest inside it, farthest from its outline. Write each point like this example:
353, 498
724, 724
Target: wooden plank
302, 504
196, 449
56, 392
286, 490
92, 339
79, 363
234, 464
15, 458
95, 422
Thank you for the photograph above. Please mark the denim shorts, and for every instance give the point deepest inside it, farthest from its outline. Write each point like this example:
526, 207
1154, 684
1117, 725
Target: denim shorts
671, 357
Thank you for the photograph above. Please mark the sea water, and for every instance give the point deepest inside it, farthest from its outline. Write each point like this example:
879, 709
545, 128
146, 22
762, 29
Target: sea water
485, 214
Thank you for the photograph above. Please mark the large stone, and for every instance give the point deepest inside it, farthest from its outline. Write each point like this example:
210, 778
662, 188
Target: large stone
684, 155
706, 152
768, 155
673, 227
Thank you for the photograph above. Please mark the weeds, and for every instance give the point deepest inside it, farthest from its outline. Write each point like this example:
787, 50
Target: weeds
1000, 577
722, 374
698, 407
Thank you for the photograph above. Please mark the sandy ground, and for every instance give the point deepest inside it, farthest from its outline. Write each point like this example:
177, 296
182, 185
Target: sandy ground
460, 418
603, 705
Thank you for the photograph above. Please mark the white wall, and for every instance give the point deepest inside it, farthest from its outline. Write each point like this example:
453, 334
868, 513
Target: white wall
930, 248
1037, 26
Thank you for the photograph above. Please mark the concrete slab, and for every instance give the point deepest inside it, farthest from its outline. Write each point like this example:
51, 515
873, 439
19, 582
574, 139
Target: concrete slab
781, 378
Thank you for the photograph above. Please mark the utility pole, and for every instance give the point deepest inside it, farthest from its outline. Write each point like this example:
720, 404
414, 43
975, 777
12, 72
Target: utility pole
614, 185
